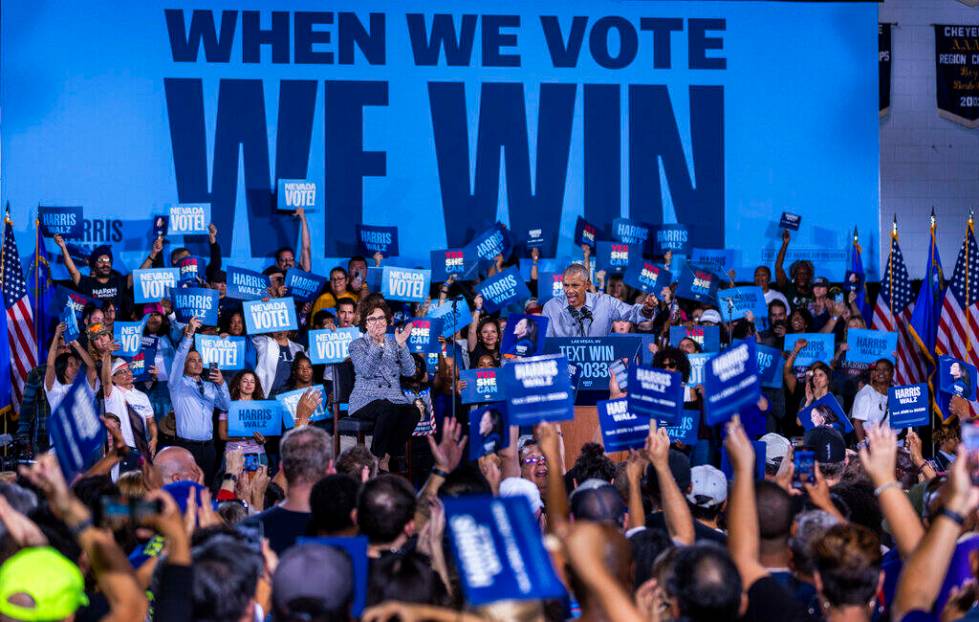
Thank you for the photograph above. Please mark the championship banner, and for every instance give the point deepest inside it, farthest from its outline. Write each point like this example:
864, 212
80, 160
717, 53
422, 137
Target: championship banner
488, 430
424, 337
405, 284
502, 289
631, 232
709, 337
455, 315
304, 286
289, 401
735, 302
329, 347
616, 257
870, 346
731, 382
227, 352
481, 386
377, 239
70, 320
908, 406
585, 233
67, 222
152, 285
674, 238
295, 193
957, 73
498, 549
538, 388
593, 355
655, 393
278, 314
129, 336
622, 428
647, 277
245, 284
246, 417
76, 431
189, 219
819, 347
196, 302
490, 243
884, 51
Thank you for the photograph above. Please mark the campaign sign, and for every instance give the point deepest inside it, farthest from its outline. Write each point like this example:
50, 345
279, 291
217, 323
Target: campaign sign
160, 226
622, 428
227, 352
498, 550
424, 336
245, 417
406, 284
67, 222
377, 239
328, 347
196, 302
189, 218
70, 320
735, 302
355, 547
191, 271
819, 347
790, 221
698, 362
673, 237
296, 193
490, 243
697, 284
655, 393
685, 429
139, 365
549, 285
245, 284
129, 336
647, 277
717, 260
709, 337
502, 289
535, 238
69, 298
454, 317
731, 382
585, 233
450, 261
594, 355
278, 314
956, 377
75, 429
524, 335
303, 286
153, 284
488, 430
728, 469
538, 388
869, 346
615, 257
769, 366
908, 406
373, 278
825, 411
290, 400
481, 386
630, 231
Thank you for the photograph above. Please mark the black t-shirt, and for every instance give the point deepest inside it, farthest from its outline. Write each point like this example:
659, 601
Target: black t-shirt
282, 527
768, 600
114, 289
701, 532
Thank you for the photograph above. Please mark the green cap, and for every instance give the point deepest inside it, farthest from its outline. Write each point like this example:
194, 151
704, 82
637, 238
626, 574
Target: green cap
49, 578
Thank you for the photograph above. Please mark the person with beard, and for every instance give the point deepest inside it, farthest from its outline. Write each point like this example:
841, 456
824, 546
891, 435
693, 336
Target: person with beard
104, 283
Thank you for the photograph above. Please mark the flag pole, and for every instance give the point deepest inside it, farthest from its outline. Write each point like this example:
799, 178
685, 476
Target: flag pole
968, 301
37, 283
890, 268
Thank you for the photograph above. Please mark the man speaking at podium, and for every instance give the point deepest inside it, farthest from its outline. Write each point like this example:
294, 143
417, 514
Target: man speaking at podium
580, 313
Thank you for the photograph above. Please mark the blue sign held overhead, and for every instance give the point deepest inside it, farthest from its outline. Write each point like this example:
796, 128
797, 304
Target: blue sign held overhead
377, 239
655, 393
538, 388
630, 231
697, 284
129, 336
825, 411
452, 261
790, 221
734, 303
647, 277
67, 222
405, 284
289, 401
189, 218
709, 337
227, 352
770, 364
243, 284
191, 270
196, 302
535, 238
278, 314
70, 320
76, 431
161, 224
622, 428
672, 237
616, 257
908, 406
482, 385
731, 382
304, 286
819, 347
502, 289
153, 285
246, 417
490, 243
685, 429
455, 317
585, 233
716, 260
956, 377
869, 346
296, 193
424, 335
331, 346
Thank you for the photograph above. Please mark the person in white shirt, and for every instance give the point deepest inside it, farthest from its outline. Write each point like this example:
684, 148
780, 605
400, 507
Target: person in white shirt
870, 404
64, 362
121, 398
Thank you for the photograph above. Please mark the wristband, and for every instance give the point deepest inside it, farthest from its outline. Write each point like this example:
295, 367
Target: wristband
880, 489
955, 517
85, 524
230, 477
440, 472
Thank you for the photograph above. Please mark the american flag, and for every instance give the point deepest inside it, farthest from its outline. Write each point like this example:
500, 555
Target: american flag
20, 318
958, 324
893, 313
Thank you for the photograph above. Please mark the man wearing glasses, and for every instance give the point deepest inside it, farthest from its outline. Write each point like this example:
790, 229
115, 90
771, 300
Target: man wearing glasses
133, 409
194, 397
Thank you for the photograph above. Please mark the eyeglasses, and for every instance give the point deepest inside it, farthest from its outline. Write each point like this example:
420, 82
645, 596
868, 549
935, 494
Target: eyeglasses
379, 318
103, 260
669, 365
535, 460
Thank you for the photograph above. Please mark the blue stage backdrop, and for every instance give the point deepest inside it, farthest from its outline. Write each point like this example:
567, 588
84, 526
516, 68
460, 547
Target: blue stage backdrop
443, 119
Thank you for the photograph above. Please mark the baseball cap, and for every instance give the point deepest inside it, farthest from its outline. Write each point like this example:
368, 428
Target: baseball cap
679, 468
315, 572
153, 307
49, 578
710, 315
828, 444
118, 364
820, 281
96, 329
520, 487
708, 486
776, 447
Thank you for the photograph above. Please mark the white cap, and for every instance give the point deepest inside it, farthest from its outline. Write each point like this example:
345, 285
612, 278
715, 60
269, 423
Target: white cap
776, 446
708, 484
520, 487
118, 364
710, 315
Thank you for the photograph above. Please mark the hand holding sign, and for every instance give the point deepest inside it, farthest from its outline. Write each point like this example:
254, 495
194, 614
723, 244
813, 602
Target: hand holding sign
308, 404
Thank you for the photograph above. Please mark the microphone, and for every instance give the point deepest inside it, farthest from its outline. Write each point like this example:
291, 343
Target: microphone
586, 313
579, 315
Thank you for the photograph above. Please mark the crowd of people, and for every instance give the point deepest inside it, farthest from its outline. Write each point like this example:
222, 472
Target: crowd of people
177, 520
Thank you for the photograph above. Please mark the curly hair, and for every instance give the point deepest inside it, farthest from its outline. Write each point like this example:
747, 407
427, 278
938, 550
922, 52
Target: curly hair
369, 304
676, 355
234, 387
592, 463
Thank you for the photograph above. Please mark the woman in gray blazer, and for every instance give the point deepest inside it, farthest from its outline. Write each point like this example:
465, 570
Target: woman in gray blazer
379, 362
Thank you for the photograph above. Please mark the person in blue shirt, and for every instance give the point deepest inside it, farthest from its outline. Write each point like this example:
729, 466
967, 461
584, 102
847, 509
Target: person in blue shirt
581, 313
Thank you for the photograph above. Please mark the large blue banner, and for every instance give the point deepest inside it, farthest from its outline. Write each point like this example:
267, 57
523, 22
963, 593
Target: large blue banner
444, 118
593, 355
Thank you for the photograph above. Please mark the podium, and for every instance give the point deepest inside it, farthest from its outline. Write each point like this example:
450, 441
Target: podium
583, 429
